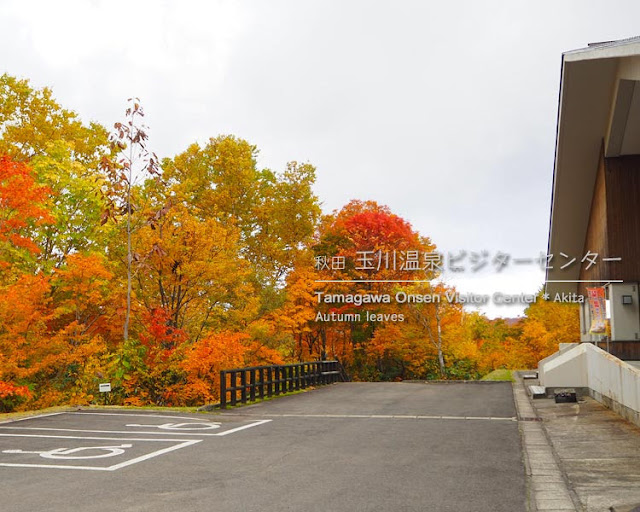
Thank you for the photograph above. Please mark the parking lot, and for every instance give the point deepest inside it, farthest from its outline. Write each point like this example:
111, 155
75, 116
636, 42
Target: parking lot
349, 446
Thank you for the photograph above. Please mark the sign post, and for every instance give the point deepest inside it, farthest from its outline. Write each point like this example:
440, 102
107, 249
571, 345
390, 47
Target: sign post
105, 388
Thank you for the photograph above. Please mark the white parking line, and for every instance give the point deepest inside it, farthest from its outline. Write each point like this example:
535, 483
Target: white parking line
43, 436
132, 415
243, 427
33, 417
163, 432
151, 455
381, 416
180, 438
181, 443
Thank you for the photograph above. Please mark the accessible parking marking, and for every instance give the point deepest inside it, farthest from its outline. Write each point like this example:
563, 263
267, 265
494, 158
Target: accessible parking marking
29, 449
48, 440
192, 427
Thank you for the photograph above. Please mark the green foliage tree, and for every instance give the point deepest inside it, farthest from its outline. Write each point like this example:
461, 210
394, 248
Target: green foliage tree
64, 154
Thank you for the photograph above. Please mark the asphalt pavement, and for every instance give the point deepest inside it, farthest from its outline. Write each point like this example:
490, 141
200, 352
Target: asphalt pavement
345, 447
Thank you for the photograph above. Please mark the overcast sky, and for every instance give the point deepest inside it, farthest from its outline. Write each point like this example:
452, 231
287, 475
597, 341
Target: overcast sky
444, 111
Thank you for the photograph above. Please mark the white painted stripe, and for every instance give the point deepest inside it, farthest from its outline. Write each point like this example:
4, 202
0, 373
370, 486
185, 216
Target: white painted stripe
131, 432
115, 467
135, 415
154, 454
52, 466
139, 432
379, 416
243, 427
84, 438
33, 417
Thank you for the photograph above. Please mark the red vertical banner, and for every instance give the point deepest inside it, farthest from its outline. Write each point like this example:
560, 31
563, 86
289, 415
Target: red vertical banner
597, 308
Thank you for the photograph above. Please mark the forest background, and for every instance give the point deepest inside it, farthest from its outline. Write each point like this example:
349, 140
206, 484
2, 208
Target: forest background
155, 274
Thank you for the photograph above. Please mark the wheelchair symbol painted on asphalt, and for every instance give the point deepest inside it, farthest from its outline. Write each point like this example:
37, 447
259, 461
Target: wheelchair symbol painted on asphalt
72, 453
181, 426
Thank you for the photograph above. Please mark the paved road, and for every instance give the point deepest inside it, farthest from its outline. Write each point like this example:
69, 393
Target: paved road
346, 447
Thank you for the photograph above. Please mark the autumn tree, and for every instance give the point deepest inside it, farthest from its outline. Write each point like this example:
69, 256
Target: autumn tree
22, 211
215, 264
133, 163
192, 269
275, 214
75, 205
216, 352
433, 318
82, 292
296, 317
364, 249
31, 119
28, 358
63, 153
545, 326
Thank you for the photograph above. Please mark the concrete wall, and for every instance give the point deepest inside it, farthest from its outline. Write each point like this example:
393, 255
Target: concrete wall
625, 318
614, 383
610, 380
562, 348
566, 369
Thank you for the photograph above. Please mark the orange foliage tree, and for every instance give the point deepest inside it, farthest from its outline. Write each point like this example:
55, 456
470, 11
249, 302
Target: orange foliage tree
223, 265
21, 212
219, 351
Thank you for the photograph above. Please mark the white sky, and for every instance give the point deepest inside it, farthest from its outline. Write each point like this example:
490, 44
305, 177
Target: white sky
444, 111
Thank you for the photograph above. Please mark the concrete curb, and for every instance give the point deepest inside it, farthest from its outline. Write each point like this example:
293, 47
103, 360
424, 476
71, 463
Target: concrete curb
209, 407
548, 489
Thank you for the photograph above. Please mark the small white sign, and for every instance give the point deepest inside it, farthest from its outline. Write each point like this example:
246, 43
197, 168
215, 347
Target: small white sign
105, 388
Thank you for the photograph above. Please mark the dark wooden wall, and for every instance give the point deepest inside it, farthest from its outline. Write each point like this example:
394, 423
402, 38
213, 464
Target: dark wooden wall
596, 239
625, 350
622, 175
614, 221
614, 231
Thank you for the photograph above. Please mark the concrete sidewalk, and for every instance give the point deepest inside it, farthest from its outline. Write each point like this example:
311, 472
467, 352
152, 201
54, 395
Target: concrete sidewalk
547, 486
596, 451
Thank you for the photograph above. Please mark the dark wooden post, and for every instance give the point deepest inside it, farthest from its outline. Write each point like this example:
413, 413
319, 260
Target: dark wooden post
297, 372
243, 386
252, 385
261, 388
223, 389
232, 387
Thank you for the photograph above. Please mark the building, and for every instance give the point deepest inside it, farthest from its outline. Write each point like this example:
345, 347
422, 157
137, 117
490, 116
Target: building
595, 211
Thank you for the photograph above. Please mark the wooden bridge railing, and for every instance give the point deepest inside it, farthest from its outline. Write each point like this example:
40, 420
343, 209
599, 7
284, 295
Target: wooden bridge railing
247, 384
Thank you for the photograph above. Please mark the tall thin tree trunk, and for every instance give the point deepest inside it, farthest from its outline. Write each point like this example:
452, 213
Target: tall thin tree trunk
440, 354
129, 251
